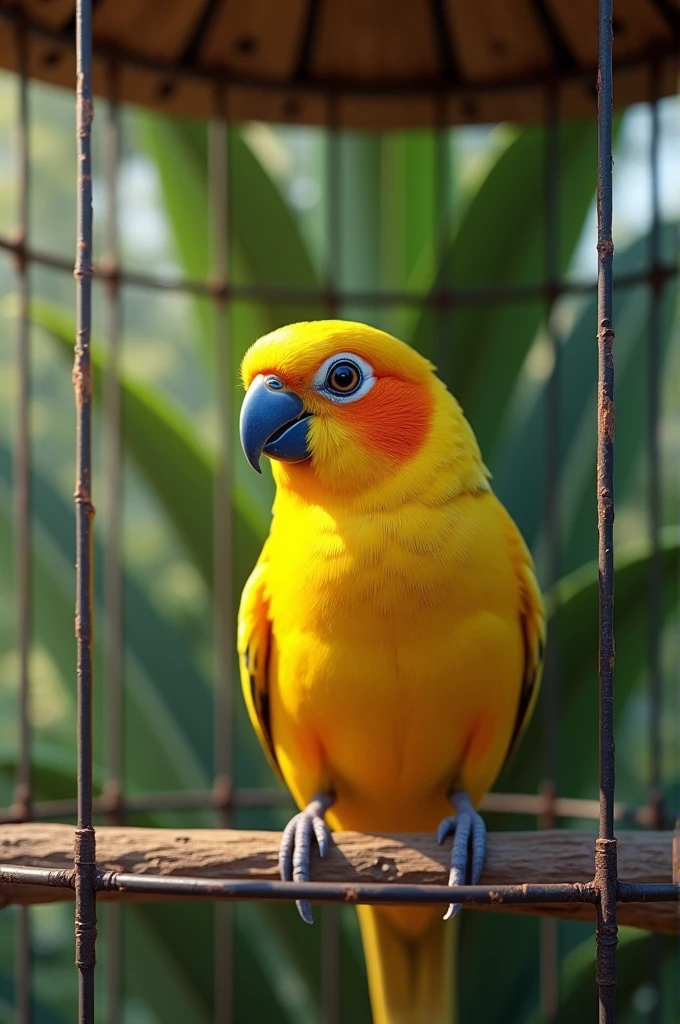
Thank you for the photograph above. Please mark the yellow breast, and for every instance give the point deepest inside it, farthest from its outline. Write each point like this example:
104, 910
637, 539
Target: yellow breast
397, 654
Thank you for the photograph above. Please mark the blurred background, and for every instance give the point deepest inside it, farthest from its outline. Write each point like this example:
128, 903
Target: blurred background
410, 212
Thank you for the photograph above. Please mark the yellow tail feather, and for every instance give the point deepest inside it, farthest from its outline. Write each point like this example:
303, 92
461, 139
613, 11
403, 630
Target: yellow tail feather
410, 977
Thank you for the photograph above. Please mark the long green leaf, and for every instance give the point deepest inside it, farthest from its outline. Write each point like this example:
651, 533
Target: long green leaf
501, 240
268, 247
166, 449
167, 728
574, 603
520, 466
578, 999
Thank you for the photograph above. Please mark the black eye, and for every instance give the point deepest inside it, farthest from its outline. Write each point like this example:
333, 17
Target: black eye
343, 378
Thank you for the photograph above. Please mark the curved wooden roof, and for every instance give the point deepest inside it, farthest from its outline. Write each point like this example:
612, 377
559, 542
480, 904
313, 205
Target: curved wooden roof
354, 63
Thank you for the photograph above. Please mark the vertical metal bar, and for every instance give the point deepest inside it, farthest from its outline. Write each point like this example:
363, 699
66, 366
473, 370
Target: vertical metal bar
654, 497
330, 965
549, 927
113, 577
654, 507
23, 967
441, 225
22, 521
605, 849
330, 916
85, 912
223, 605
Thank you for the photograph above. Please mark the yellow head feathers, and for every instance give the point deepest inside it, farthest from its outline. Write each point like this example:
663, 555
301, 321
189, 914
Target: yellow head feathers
343, 408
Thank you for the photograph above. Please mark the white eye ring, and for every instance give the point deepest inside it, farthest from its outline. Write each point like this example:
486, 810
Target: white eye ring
367, 380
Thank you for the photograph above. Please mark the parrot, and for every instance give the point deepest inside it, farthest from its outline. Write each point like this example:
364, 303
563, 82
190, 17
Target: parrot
390, 637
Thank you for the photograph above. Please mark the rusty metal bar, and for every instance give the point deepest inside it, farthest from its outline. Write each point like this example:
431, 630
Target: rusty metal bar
85, 913
444, 341
22, 797
656, 800
605, 850
549, 928
379, 892
113, 571
384, 893
223, 605
330, 918
654, 484
531, 804
478, 296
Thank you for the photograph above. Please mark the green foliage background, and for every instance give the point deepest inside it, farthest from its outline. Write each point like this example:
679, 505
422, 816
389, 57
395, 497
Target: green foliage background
496, 358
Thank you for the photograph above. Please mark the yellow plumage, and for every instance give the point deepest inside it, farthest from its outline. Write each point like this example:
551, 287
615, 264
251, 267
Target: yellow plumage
390, 636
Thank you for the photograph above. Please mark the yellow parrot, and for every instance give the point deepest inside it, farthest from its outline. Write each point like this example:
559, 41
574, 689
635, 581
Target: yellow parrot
390, 636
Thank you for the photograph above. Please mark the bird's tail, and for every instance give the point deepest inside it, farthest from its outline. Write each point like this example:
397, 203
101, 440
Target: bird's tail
410, 961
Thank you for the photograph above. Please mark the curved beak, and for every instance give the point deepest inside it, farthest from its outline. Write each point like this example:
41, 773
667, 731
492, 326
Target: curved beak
274, 423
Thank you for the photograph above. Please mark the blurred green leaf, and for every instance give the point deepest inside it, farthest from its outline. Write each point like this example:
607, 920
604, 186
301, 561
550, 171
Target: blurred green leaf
176, 465
501, 238
519, 467
578, 988
267, 245
575, 601
168, 731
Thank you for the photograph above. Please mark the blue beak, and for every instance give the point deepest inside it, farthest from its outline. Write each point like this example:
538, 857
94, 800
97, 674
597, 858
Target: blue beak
274, 422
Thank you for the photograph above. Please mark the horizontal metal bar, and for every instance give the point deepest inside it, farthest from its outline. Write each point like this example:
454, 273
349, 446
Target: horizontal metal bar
330, 87
651, 892
442, 297
20, 874
334, 892
537, 804
196, 800
257, 889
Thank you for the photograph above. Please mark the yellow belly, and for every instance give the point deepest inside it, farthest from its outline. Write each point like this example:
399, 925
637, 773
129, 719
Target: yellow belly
396, 667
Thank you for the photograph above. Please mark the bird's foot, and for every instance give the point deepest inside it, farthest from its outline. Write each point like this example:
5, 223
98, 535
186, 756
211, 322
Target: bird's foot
295, 853
469, 845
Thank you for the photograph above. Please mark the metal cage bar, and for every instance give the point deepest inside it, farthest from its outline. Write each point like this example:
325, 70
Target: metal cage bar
549, 928
22, 517
331, 951
656, 801
292, 295
605, 848
223, 635
113, 570
85, 863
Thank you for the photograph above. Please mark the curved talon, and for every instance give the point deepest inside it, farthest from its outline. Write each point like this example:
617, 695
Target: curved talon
468, 829
295, 852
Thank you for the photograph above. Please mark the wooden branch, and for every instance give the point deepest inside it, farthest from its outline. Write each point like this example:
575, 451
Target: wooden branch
512, 858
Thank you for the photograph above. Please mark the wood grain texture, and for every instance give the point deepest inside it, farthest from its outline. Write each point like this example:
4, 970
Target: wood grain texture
385, 63
512, 858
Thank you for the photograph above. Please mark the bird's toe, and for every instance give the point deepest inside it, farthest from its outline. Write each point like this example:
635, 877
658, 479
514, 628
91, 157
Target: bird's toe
468, 850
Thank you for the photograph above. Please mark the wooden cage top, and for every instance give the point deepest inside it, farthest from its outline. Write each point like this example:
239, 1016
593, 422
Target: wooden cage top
351, 63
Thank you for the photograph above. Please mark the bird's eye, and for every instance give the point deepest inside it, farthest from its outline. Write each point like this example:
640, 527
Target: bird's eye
344, 377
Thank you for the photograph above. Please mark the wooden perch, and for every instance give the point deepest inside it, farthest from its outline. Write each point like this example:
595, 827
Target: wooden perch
512, 858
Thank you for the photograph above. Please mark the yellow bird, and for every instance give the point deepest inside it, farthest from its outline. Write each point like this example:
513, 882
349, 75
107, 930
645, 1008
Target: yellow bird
390, 637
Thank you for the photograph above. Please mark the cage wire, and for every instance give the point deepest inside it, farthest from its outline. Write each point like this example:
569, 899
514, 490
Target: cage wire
114, 804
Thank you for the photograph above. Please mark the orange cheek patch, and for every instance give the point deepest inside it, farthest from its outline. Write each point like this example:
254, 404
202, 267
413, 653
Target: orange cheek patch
392, 419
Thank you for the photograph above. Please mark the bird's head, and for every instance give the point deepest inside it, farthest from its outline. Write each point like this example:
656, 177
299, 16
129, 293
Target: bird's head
338, 404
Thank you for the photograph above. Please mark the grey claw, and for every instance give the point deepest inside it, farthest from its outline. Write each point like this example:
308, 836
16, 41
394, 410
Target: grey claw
295, 852
305, 911
468, 829
446, 828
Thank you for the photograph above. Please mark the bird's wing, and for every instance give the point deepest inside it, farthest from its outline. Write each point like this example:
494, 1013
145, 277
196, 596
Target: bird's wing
533, 630
254, 650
